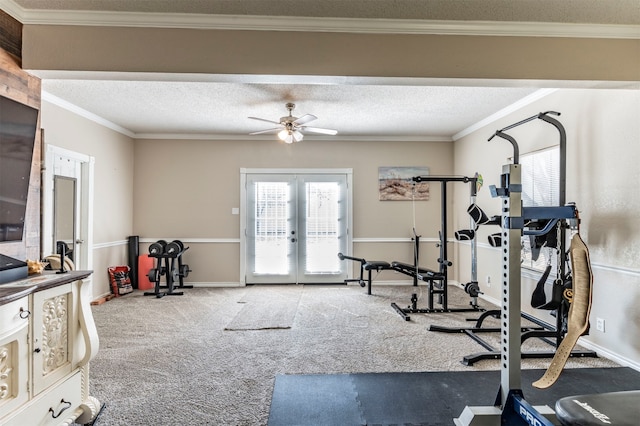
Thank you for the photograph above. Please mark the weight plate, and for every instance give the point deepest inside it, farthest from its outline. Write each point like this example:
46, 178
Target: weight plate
184, 271
179, 243
153, 275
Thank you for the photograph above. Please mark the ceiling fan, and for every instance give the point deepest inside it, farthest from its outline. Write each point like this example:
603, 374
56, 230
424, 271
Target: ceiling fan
290, 129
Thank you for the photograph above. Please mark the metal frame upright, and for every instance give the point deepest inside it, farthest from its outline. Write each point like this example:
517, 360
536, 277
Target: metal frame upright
510, 406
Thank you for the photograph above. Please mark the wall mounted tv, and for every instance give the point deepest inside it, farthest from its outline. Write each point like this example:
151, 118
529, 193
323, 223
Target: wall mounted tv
17, 138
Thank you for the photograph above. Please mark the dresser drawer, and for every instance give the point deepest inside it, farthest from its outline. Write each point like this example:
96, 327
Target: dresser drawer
14, 315
60, 401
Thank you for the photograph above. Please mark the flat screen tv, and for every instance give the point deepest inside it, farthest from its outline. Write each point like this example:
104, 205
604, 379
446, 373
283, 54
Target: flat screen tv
17, 138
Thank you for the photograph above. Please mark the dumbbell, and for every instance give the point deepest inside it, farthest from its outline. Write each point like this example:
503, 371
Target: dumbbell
158, 247
174, 248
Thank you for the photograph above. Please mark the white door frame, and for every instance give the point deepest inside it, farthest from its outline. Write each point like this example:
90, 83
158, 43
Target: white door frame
85, 217
243, 207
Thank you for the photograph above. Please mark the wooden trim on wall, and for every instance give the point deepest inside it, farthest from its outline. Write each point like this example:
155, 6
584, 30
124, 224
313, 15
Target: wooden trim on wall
17, 84
10, 35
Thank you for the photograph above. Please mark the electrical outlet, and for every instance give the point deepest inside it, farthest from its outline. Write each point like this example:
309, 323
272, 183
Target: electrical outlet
488, 281
600, 324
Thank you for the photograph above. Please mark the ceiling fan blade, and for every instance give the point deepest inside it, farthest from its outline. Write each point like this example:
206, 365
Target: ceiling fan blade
263, 119
304, 119
260, 132
319, 130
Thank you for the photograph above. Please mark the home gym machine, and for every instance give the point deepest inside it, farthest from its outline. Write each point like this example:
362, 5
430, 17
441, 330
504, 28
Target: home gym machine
437, 281
170, 264
544, 228
510, 407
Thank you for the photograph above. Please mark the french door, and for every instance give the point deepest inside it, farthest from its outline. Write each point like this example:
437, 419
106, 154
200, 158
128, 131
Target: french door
295, 226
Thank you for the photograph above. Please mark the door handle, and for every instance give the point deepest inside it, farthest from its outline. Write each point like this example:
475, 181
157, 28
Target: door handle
79, 241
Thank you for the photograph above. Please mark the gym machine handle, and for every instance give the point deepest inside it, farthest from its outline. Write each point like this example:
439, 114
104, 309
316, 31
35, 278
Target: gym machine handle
357, 259
542, 116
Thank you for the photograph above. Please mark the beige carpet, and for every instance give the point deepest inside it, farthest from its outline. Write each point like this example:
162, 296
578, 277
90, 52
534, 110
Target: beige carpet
267, 310
176, 361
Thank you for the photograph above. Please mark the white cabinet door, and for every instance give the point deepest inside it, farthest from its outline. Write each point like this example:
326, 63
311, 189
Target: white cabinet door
52, 337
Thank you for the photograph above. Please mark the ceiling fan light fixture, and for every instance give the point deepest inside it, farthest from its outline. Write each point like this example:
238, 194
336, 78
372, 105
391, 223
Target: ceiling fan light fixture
290, 136
291, 129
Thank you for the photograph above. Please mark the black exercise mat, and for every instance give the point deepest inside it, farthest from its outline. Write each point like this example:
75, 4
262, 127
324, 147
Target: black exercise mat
420, 398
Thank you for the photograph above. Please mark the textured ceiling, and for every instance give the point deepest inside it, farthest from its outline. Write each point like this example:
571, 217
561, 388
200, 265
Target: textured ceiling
223, 108
219, 105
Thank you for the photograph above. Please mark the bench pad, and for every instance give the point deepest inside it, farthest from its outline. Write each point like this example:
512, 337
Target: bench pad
376, 265
613, 408
411, 269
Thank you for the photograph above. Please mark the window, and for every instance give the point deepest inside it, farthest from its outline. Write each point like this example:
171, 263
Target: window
540, 187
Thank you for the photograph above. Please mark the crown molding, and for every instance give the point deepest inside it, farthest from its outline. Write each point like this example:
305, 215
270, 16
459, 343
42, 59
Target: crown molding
314, 24
222, 137
538, 94
48, 97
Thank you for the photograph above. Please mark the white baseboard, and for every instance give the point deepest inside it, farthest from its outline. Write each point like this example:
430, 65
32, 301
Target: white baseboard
215, 284
601, 351
626, 362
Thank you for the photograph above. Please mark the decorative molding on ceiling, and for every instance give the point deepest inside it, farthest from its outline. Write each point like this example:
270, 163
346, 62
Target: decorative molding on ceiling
219, 137
314, 24
538, 94
48, 97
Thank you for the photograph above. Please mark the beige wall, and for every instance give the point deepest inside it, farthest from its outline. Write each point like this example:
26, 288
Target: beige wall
113, 192
59, 47
186, 189
603, 133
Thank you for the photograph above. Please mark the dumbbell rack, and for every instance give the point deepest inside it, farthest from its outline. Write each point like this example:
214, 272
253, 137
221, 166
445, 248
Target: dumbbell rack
169, 263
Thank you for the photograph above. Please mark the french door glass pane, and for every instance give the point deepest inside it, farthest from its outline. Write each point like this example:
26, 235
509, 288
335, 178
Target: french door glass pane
322, 228
271, 231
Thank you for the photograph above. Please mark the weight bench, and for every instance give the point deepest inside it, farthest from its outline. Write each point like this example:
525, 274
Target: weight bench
418, 273
613, 408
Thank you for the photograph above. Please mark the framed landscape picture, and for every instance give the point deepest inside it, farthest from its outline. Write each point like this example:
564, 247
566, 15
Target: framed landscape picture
396, 184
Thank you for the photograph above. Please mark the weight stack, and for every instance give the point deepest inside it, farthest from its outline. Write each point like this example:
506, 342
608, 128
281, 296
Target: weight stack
134, 252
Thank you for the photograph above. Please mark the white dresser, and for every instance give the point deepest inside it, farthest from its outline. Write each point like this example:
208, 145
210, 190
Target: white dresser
47, 338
